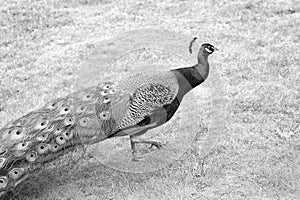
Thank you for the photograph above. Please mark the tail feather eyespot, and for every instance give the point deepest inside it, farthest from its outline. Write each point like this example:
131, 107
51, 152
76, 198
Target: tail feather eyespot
42, 137
52, 105
84, 122
31, 156
16, 173
3, 182
42, 148
69, 121
17, 134
57, 131
87, 97
65, 110
104, 115
7, 133
106, 87
41, 124
54, 147
104, 93
106, 100
80, 109
60, 140
22, 146
112, 91
68, 134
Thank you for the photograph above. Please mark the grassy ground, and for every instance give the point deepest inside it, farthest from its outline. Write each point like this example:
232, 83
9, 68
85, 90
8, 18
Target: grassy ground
42, 44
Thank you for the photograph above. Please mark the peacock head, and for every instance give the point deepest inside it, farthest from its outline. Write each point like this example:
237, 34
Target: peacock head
207, 49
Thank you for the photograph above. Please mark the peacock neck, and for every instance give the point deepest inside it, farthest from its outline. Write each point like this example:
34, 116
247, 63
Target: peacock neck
190, 77
202, 67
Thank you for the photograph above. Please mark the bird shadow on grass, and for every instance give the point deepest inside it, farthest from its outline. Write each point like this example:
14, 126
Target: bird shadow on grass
52, 178
78, 180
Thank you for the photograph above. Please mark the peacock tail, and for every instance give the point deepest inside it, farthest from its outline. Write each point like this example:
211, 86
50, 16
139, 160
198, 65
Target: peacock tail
85, 117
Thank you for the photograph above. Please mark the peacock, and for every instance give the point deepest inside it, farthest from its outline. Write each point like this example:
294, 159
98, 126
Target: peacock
129, 107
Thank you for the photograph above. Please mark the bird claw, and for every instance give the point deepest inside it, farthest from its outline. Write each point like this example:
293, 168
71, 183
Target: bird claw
158, 145
135, 157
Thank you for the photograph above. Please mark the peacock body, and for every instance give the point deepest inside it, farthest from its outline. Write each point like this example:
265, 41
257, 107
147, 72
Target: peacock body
128, 107
84, 117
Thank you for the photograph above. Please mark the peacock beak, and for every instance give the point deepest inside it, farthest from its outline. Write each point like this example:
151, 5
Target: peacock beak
216, 49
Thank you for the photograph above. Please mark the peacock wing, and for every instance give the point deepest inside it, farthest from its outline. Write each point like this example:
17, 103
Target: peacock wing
145, 103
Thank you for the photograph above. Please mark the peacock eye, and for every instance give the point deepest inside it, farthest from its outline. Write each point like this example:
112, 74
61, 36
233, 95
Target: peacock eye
52, 105
42, 137
31, 156
68, 121
65, 110
3, 182
57, 131
104, 115
68, 135
42, 148
54, 147
83, 122
106, 87
106, 100
60, 140
104, 93
80, 109
112, 91
15, 173
17, 134
22, 145
42, 124
87, 97
7, 132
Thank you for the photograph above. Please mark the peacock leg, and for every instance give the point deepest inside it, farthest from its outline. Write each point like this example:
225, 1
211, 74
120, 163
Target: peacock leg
133, 141
135, 155
153, 143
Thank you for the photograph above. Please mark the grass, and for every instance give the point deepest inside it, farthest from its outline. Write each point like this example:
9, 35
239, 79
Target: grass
42, 44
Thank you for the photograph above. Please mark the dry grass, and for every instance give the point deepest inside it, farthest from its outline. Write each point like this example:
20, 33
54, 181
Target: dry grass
42, 44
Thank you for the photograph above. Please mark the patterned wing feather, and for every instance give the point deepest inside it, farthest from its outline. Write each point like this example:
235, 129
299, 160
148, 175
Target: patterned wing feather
149, 93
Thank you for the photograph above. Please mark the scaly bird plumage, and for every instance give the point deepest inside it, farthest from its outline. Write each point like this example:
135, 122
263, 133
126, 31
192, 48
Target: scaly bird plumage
128, 107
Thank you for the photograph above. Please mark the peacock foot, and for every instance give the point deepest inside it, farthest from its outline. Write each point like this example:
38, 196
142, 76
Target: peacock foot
136, 156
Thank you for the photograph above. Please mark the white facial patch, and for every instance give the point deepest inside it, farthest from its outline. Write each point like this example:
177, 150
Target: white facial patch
209, 51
